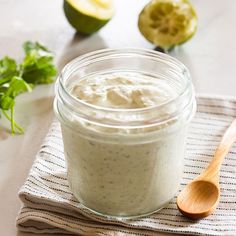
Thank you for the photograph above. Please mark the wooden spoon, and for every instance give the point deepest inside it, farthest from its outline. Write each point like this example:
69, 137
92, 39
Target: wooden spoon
201, 196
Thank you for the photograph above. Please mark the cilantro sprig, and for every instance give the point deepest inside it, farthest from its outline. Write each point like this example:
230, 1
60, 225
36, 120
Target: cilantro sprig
36, 68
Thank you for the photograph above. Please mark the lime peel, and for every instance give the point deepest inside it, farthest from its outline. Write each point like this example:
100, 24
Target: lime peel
88, 16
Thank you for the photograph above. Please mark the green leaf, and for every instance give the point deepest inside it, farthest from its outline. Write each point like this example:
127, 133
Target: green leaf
3, 89
38, 67
17, 86
8, 68
7, 65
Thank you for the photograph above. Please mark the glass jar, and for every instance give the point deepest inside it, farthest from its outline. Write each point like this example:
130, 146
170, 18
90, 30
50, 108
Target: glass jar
124, 163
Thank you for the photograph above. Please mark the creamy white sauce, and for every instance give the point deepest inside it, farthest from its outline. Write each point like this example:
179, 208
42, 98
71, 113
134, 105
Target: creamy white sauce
119, 177
127, 91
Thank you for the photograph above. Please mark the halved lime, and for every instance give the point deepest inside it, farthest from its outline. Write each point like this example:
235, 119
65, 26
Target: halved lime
88, 16
167, 23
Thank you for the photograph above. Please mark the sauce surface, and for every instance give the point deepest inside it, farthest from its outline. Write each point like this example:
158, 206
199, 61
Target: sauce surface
127, 91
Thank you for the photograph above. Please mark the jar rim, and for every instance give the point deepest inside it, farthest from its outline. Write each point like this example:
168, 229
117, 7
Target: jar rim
120, 51
76, 105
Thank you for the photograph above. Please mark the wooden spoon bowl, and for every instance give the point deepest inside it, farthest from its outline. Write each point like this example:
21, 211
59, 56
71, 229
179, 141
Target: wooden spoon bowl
199, 199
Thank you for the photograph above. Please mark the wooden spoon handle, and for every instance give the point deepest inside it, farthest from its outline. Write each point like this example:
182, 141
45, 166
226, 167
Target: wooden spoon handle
227, 140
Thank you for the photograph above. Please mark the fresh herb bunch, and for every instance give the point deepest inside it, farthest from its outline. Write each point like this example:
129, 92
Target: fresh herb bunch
36, 68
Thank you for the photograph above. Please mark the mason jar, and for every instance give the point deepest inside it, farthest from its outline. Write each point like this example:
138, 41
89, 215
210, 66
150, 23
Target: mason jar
124, 163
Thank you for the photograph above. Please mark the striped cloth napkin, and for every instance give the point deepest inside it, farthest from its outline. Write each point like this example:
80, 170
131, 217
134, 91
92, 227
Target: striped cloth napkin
50, 207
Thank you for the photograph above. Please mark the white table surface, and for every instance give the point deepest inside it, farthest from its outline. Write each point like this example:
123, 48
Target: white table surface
210, 56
